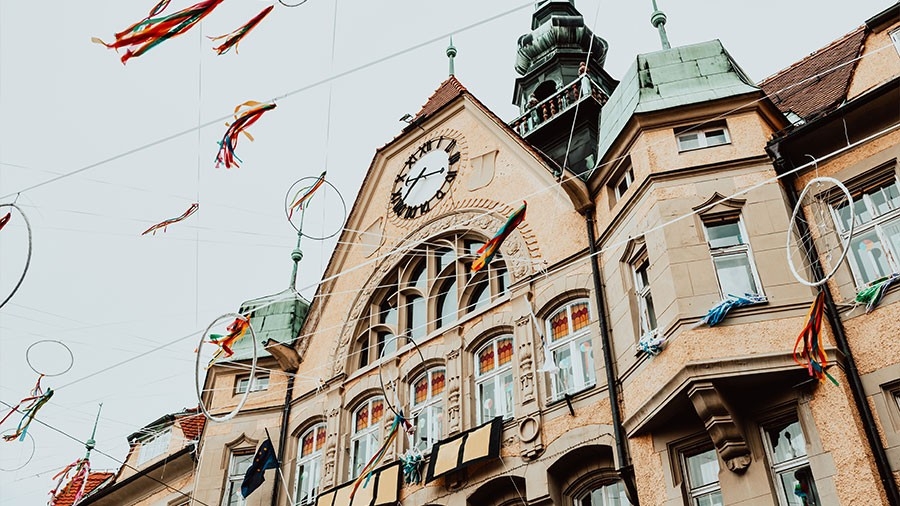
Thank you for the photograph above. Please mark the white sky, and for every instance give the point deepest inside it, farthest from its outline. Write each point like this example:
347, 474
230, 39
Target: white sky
112, 295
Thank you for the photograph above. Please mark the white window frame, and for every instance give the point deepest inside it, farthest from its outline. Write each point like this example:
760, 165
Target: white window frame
702, 490
573, 342
876, 225
646, 309
371, 435
154, 445
259, 382
497, 377
627, 177
702, 138
433, 408
895, 38
739, 249
312, 462
777, 469
236, 477
609, 492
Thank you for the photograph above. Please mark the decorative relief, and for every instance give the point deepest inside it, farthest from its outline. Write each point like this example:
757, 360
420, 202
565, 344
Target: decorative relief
453, 405
526, 372
529, 430
729, 439
330, 449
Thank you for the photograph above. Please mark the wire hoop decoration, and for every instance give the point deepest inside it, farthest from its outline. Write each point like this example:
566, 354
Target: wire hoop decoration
294, 191
298, 4
48, 374
824, 223
199, 387
27, 259
398, 412
30, 456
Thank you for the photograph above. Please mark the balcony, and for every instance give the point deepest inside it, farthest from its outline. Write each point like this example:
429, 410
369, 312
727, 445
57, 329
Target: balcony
561, 101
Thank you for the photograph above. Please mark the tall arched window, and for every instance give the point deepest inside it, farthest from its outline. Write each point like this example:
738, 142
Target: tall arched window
366, 437
309, 465
428, 407
571, 347
494, 379
431, 288
610, 494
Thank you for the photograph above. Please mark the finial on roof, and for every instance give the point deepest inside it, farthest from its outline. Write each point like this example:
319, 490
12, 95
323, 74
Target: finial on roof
296, 256
90, 443
451, 53
658, 20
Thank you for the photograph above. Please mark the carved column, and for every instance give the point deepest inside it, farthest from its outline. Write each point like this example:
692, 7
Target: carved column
453, 406
526, 361
730, 441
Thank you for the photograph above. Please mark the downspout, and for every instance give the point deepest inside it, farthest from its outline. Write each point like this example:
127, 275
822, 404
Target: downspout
840, 336
626, 469
282, 438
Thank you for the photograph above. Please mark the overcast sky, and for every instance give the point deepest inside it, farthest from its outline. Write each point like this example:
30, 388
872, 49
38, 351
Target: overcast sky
112, 295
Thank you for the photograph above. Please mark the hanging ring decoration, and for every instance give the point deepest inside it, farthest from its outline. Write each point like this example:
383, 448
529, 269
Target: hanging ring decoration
49, 374
298, 4
304, 191
30, 456
394, 409
242, 321
3, 221
815, 210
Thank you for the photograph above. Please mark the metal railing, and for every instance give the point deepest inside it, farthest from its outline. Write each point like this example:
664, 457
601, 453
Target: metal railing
566, 97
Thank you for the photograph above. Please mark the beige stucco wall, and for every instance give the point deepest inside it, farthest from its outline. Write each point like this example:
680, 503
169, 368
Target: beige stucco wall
880, 62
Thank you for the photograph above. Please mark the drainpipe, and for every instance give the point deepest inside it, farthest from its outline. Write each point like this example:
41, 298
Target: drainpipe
626, 470
856, 386
282, 438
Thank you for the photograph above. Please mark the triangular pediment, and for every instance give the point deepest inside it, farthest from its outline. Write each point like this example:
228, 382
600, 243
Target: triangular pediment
718, 206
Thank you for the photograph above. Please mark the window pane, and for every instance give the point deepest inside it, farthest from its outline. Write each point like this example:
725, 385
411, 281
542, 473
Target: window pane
886, 199
648, 317
415, 317
891, 232
702, 469
710, 499
640, 274
447, 305
487, 394
486, 360
446, 256
586, 360
437, 382
418, 279
387, 344
388, 310
607, 495
787, 442
506, 382
481, 295
472, 247
688, 141
724, 235
420, 390
580, 316
559, 325
502, 280
504, 351
799, 487
735, 275
862, 213
869, 256
716, 137
565, 376
423, 421
360, 456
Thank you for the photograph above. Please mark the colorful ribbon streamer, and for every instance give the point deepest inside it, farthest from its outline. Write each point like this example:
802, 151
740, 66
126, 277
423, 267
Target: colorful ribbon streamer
236, 331
307, 192
651, 343
486, 253
373, 462
165, 223
872, 295
715, 315
82, 471
242, 121
412, 466
808, 350
4, 220
34, 402
234, 38
152, 31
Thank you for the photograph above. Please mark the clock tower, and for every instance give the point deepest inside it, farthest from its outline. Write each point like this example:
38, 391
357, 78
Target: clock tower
562, 84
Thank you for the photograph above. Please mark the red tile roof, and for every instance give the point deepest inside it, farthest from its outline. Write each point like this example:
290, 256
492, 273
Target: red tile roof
66, 497
819, 82
192, 426
447, 91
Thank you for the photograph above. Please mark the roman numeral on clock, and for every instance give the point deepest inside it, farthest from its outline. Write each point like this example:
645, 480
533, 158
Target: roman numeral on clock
453, 158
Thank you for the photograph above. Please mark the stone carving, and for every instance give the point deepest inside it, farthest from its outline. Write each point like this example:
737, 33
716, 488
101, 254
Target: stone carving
330, 449
526, 373
729, 439
453, 405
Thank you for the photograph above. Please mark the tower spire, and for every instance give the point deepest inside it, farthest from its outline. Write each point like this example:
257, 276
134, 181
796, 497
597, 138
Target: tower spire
451, 54
90, 443
658, 20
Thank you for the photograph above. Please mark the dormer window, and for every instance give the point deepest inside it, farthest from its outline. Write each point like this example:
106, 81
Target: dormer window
702, 137
154, 445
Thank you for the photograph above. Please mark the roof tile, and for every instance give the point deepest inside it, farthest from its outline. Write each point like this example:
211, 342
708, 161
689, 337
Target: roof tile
66, 497
192, 426
447, 91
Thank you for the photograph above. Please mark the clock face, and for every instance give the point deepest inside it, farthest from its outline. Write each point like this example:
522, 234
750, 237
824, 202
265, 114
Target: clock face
426, 177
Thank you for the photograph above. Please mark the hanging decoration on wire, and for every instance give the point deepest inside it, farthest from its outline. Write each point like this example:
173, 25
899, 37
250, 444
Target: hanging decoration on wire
486, 253
152, 30
366, 473
651, 343
165, 223
224, 345
245, 115
298, 4
6, 455
718, 312
315, 192
4, 222
813, 228
808, 352
28, 406
41, 370
871, 296
234, 38
80, 470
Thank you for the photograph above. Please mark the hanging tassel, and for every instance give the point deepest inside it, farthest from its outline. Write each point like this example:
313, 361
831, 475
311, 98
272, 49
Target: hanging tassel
234, 38
412, 466
304, 194
718, 312
165, 223
872, 295
486, 253
4, 220
34, 402
808, 352
242, 121
82, 471
651, 343
366, 473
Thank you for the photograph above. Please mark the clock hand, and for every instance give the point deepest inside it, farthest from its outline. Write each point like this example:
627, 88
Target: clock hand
412, 182
432, 173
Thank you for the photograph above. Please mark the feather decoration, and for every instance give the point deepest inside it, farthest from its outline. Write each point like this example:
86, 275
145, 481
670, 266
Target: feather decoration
236, 331
412, 466
234, 38
165, 223
242, 121
715, 315
33, 403
808, 351
82, 471
4, 220
651, 343
152, 31
304, 194
486, 253
872, 295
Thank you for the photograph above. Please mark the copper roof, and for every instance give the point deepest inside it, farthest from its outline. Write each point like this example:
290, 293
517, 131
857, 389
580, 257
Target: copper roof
447, 91
66, 497
819, 82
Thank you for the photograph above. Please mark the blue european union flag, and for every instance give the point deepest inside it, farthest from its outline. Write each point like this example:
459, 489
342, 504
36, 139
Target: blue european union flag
265, 458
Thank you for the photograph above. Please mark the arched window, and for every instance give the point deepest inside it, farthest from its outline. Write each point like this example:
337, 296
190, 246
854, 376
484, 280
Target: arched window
309, 465
610, 494
545, 89
494, 379
428, 407
570, 345
366, 437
